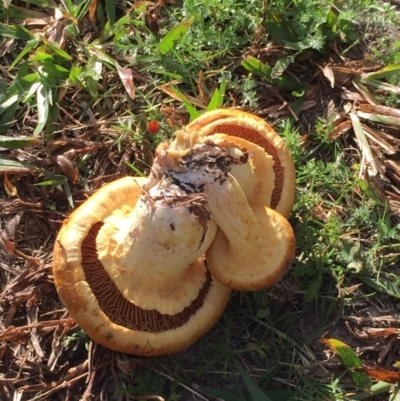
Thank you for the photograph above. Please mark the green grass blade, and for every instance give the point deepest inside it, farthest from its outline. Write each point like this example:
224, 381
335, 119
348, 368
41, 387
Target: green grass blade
9, 166
381, 85
57, 179
214, 100
217, 99
68, 192
31, 44
15, 31
383, 73
173, 35
256, 67
225, 394
386, 283
135, 169
9, 101
52, 119
17, 142
43, 97
111, 10
77, 11
41, 3
56, 50
255, 391
379, 118
189, 107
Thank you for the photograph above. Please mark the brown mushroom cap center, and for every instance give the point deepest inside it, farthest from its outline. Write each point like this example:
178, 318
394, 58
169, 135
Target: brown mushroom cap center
121, 311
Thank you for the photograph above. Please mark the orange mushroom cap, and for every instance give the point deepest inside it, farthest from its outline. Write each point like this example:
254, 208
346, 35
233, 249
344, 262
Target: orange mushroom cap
122, 301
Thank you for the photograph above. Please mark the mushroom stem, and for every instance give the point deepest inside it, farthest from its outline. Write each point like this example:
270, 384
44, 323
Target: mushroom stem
155, 250
231, 212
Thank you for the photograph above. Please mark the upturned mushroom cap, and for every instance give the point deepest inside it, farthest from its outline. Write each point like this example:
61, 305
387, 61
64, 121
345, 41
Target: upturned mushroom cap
254, 246
254, 129
137, 282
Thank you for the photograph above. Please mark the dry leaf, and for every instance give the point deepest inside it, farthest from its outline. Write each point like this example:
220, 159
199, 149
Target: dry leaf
328, 73
10, 188
92, 10
378, 140
127, 79
339, 130
376, 109
388, 376
68, 168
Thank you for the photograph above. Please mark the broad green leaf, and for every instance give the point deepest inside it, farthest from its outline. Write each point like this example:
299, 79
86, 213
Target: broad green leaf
15, 31
8, 102
332, 18
255, 391
256, 67
16, 142
377, 388
101, 56
41, 3
281, 65
173, 35
92, 75
22, 13
350, 360
75, 74
276, 30
52, 73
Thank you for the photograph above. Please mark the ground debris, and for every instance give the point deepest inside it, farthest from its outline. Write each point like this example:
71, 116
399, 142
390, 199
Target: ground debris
375, 126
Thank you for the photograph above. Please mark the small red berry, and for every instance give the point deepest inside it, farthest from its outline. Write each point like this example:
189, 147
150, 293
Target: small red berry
153, 127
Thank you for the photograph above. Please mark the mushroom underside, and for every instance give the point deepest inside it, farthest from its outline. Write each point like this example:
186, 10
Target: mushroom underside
99, 307
257, 131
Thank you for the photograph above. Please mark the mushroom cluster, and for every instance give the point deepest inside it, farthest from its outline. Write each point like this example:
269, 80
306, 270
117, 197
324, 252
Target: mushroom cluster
146, 265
